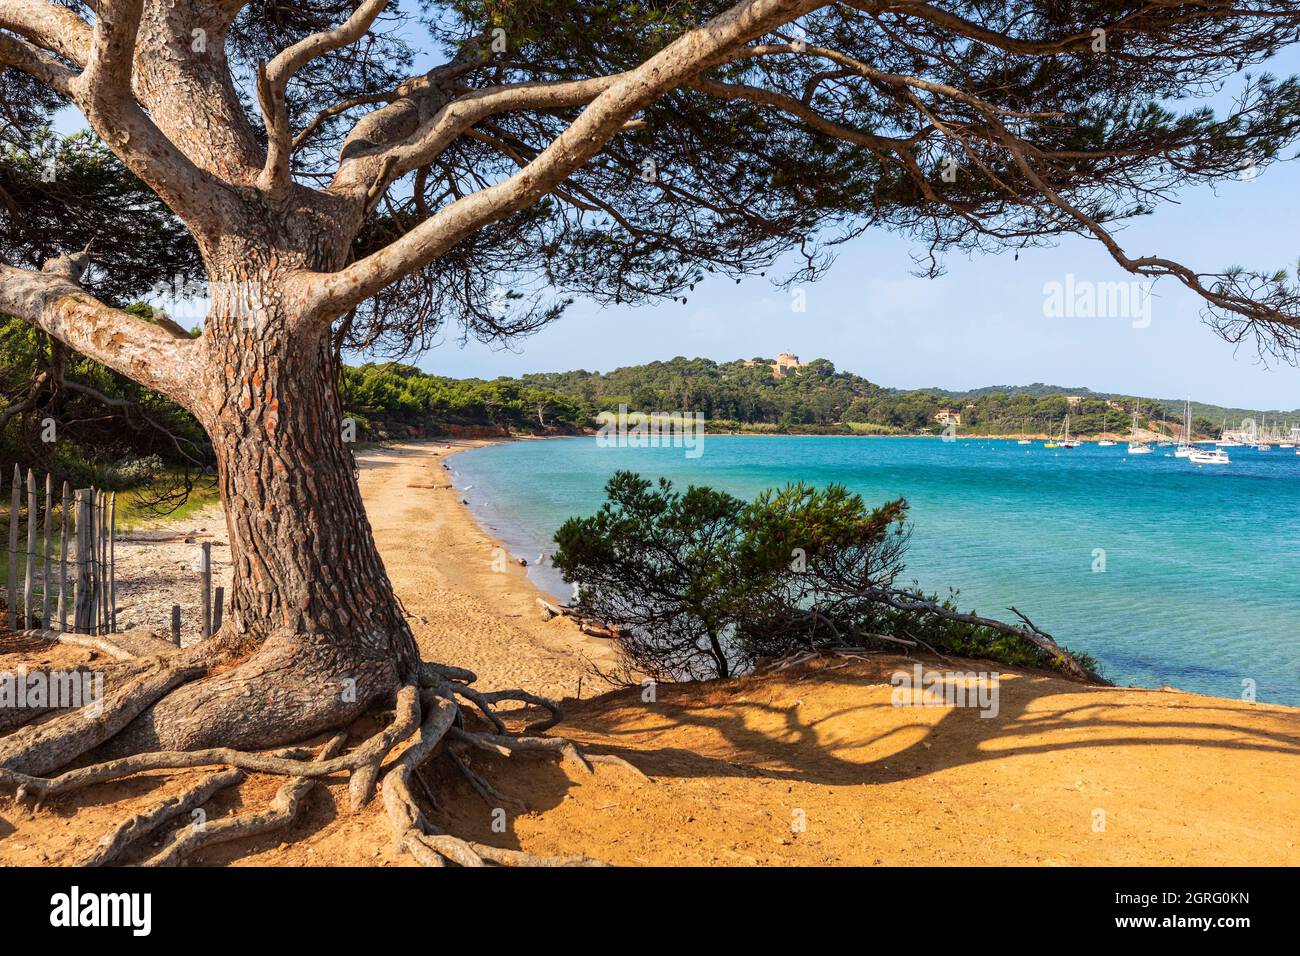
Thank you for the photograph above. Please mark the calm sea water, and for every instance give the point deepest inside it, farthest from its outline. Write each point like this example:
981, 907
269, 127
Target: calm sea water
1201, 587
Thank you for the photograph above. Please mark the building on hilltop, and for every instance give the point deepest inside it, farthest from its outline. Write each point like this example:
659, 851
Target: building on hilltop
946, 416
785, 362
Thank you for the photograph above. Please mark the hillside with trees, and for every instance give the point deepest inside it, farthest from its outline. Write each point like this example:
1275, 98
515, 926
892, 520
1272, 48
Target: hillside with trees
115, 433
815, 397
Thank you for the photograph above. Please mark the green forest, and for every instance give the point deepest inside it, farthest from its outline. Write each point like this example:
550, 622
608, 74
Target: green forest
748, 395
63, 413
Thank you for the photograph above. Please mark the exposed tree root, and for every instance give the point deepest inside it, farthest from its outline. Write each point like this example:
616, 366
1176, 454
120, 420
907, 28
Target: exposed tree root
485, 702
282, 811
122, 646
567, 749
412, 829
140, 825
427, 716
490, 794
14, 716
40, 748
41, 787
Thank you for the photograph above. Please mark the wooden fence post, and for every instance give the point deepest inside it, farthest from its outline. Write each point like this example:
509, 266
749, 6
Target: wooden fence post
82, 583
15, 504
102, 555
217, 609
30, 571
102, 566
63, 561
49, 544
112, 563
206, 569
93, 532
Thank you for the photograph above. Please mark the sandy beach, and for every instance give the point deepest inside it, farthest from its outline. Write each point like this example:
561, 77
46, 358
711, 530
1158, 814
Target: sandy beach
469, 602
1178, 778
812, 766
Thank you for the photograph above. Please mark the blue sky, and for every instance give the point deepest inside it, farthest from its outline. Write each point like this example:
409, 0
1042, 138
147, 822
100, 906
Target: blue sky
981, 324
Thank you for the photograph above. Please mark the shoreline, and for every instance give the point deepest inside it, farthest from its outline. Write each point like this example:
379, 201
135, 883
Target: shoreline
1117, 437
468, 602
483, 523
731, 760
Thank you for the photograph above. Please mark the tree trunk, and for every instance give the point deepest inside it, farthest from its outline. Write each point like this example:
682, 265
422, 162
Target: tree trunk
310, 598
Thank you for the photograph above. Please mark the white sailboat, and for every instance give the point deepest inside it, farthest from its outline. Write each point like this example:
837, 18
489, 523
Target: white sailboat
1184, 449
1260, 437
1136, 447
1065, 441
1023, 441
1104, 442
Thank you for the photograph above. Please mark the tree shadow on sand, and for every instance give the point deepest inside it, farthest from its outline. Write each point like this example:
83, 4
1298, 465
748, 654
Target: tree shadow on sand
1037, 714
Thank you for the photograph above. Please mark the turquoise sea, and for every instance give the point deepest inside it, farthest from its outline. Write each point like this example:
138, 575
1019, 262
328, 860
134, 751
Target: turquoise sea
1201, 587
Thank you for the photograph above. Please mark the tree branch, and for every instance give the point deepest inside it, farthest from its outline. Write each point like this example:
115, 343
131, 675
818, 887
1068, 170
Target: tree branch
273, 80
381, 167
126, 344
328, 295
50, 26
103, 91
45, 68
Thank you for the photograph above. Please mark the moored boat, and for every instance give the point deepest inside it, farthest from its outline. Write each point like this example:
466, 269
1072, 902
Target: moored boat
1184, 449
1104, 442
1209, 456
1136, 447
1064, 440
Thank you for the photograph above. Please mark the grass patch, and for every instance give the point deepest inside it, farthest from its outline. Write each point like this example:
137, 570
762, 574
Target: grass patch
133, 511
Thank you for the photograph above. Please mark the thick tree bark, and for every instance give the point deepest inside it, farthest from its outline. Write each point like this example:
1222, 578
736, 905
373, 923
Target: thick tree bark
311, 600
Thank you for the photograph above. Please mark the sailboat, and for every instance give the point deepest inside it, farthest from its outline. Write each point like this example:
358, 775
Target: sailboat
1104, 442
1224, 441
1184, 449
1262, 444
1023, 441
1136, 447
1064, 441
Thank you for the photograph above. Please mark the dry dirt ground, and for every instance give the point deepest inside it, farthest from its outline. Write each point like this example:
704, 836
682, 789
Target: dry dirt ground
811, 766
157, 566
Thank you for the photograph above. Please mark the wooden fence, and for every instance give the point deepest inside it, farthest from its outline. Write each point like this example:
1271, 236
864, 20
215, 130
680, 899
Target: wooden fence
77, 591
